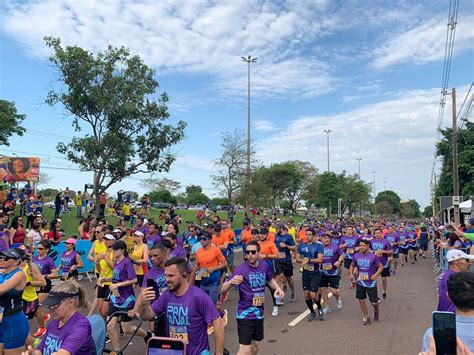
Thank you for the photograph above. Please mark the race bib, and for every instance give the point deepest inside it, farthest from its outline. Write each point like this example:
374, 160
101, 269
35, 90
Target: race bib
281, 255
198, 277
327, 266
180, 333
258, 299
363, 276
204, 273
308, 267
350, 251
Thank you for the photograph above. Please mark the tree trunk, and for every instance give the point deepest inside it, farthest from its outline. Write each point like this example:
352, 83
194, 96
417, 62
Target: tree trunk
96, 195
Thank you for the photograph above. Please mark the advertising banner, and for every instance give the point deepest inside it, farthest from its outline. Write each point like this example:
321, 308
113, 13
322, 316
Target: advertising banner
19, 169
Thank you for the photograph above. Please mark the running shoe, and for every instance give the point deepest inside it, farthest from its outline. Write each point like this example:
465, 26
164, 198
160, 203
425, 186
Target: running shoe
339, 304
292, 297
352, 285
40, 332
311, 317
275, 311
327, 310
320, 314
365, 321
376, 315
225, 318
384, 296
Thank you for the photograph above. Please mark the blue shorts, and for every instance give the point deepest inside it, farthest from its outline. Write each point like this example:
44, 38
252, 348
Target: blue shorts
14, 331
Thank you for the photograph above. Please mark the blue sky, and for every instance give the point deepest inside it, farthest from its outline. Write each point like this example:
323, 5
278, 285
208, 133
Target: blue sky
369, 71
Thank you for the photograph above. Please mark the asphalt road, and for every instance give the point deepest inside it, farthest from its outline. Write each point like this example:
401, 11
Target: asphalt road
403, 319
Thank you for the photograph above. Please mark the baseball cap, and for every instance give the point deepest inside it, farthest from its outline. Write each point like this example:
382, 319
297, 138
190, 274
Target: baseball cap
454, 254
55, 298
71, 241
13, 253
140, 234
109, 237
117, 230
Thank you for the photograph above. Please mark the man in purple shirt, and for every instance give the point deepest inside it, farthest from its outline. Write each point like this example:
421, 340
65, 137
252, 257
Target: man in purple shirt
188, 310
175, 250
457, 261
367, 267
382, 248
332, 259
251, 278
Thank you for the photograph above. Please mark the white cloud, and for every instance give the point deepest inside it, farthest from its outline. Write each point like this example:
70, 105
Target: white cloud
394, 137
189, 37
263, 126
424, 43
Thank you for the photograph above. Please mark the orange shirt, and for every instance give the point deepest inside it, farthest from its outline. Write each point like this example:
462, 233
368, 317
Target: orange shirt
271, 237
267, 247
302, 236
246, 236
218, 240
229, 234
209, 258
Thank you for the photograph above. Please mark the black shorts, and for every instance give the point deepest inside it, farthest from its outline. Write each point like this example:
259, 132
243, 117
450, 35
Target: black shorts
103, 292
284, 267
249, 329
330, 281
347, 263
395, 255
30, 308
362, 292
311, 281
47, 288
414, 247
403, 251
122, 317
140, 280
386, 271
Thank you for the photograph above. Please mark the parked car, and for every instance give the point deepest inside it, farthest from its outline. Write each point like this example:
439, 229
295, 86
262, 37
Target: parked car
181, 206
197, 207
161, 205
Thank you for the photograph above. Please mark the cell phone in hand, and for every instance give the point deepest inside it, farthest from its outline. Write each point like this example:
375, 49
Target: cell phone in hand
165, 346
444, 333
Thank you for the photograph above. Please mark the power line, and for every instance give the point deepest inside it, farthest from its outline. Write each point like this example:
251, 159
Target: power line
458, 116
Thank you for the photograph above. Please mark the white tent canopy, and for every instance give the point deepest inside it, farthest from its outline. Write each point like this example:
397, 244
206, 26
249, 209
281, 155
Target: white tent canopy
466, 206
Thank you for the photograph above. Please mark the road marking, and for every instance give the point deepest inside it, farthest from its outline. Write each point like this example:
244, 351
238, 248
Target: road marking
303, 315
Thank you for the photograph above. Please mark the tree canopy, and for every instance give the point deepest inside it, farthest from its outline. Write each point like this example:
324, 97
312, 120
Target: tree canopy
10, 121
392, 198
110, 96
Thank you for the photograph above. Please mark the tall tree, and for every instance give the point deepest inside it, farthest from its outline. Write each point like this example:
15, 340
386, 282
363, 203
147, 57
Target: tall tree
410, 209
44, 179
111, 96
190, 189
466, 157
328, 190
355, 192
10, 121
383, 208
231, 165
391, 198
155, 184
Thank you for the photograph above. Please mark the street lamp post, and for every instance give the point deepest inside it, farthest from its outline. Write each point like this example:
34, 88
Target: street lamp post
373, 172
327, 132
248, 60
359, 159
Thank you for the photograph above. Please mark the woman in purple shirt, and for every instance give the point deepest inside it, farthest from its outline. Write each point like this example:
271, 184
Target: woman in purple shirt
70, 331
70, 260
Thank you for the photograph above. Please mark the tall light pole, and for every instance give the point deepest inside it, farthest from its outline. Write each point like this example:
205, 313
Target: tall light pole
327, 132
373, 172
385, 187
248, 60
359, 159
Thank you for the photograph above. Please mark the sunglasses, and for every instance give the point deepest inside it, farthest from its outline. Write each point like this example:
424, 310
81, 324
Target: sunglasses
253, 252
204, 238
40, 248
5, 258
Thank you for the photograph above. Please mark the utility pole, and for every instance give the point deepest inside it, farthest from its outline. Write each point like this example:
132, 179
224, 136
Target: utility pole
359, 159
457, 217
327, 132
248, 60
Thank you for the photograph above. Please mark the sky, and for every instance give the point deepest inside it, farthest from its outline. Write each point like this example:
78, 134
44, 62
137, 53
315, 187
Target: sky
370, 71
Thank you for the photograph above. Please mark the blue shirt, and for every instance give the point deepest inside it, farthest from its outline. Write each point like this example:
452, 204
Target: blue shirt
284, 254
310, 251
464, 330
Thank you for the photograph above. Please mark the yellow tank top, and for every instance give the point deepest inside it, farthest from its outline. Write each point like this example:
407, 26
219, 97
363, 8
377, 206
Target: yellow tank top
99, 248
29, 293
105, 269
138, 254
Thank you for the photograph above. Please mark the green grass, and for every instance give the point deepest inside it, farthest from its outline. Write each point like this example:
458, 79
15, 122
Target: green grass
70, 223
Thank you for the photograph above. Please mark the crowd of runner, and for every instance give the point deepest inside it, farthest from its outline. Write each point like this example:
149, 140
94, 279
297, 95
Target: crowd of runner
179, 278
